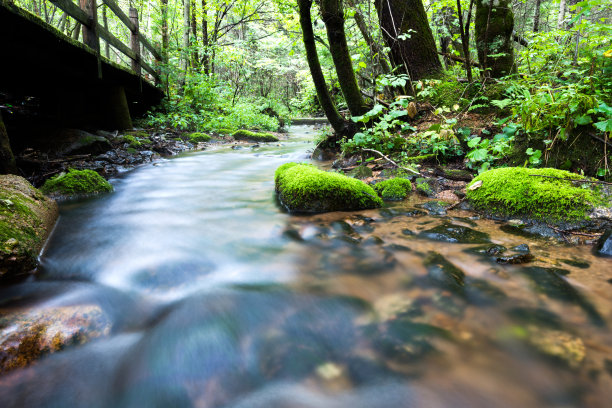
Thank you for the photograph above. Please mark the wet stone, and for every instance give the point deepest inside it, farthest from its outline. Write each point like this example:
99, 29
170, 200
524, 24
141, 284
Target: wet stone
455, 234
408, 232
373, 240
435, 207
521, 248
293, 235
604, 244
576, 263
483, 293
398, 248
444, 274
550, 282
515, 259
558, 345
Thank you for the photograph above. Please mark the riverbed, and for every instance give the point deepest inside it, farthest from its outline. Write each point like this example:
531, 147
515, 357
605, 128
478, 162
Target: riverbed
216, 297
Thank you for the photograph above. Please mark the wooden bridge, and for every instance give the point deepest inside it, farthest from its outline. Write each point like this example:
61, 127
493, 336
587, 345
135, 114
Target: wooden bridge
74, 84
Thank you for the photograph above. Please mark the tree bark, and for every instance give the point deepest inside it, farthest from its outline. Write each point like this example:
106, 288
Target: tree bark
7, 160
536, 16
494, 24
561, 15
340, 126
194, 35
205, 41
365, 32
406, 32
164, 30
333, 17
465, 37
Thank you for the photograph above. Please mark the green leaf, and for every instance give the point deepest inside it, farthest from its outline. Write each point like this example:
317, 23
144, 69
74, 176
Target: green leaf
583, 120
472, 143
604, 126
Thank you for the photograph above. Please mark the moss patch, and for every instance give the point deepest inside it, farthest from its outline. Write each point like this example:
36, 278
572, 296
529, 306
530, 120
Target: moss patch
423, 187
133, 141
26, 218
254, 137
395, 189
304, 188
515, 191
198, 137
76, 182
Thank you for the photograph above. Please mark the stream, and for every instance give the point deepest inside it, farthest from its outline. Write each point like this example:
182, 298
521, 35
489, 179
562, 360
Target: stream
211, 296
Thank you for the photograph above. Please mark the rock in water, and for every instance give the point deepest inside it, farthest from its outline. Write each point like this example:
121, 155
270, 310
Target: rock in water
27, 337
604, 244
303, 188
26, 219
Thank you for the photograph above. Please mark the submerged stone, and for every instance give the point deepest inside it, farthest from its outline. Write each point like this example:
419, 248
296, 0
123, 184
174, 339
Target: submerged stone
26, 219
557, 344
304, 188
28, 337
436, 207
443, 273
455, 234
254, 137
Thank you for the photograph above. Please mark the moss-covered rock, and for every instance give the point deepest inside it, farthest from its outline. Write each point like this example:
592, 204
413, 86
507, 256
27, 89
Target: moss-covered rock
254, 137
198, 137
518, 191
395, 189
26, 219
76, 182
133, 141
304, 188
423, 187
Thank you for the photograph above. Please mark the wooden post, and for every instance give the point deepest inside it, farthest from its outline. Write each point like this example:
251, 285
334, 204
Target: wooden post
90, 32
135, 41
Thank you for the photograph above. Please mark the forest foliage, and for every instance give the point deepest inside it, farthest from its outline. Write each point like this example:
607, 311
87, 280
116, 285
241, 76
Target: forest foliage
498, 81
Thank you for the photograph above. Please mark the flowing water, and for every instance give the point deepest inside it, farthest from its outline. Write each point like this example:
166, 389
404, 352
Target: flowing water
214, 297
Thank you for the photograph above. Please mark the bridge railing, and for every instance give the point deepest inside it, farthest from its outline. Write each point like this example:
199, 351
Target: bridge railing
86, 13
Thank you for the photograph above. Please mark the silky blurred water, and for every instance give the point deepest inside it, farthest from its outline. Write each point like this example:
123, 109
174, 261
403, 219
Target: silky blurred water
218, 298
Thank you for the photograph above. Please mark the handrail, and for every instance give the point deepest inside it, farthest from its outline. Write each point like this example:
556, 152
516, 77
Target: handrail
95, 31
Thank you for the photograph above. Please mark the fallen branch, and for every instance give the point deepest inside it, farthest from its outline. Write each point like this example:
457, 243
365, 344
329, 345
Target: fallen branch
573, 181
391, 161
562, 232
458, 59
457, 204
600, 139
377, 99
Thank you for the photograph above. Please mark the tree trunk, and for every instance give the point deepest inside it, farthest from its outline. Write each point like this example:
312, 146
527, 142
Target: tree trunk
494, 24
105, 23
340, 126
185, 58
7, 160
194, 35
365, 32
205, 41
561, 15
407, 33
332, 13
164, 30
536, 16
465, 37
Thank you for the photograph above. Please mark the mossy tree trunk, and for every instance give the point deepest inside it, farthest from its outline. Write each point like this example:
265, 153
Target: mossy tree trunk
332, 12
406, 31
339, 124
493, 25
7, 160
375, 47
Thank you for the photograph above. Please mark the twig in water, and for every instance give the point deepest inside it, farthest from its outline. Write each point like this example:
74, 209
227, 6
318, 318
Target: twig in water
583, 234
452, 207
391, 161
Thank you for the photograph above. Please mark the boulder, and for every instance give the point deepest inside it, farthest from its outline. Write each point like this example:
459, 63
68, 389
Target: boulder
28, 336
253, 136
546, 194
26, 219
76, 183
303, 188
75, 141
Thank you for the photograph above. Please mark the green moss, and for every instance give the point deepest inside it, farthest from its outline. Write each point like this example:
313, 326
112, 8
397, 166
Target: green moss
254, 137
132, 140
76, 182
225, 131
304, 188
423, 187
198, 137
139, 134
394, 189
420, 159
514, 191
